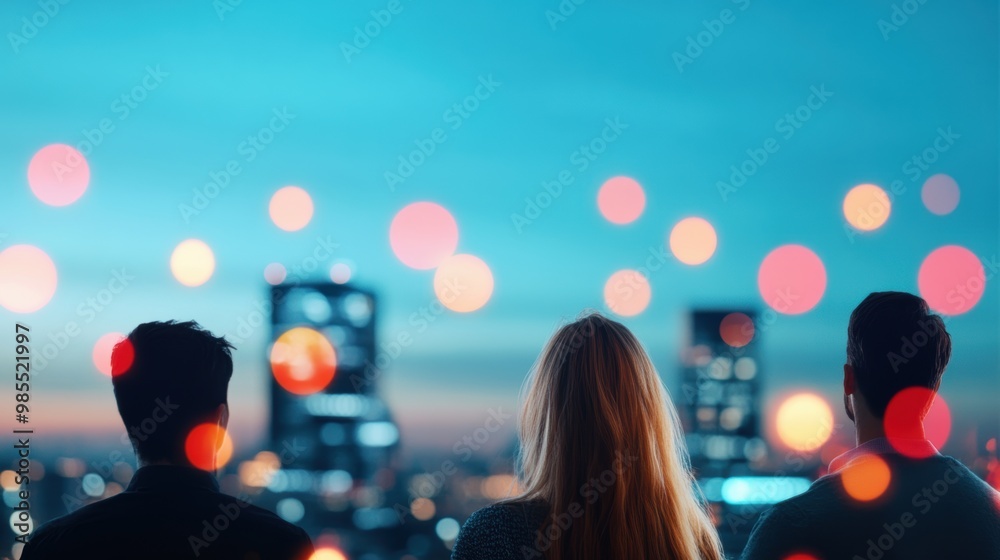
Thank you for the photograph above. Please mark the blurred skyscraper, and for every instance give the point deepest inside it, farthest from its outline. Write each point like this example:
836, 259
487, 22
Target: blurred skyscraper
720, 407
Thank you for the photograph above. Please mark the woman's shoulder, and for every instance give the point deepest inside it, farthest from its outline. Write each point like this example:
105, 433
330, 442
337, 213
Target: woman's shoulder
512, 513
500, 530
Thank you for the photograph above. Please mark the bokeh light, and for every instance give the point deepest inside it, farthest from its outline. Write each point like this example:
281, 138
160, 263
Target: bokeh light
867, 207
447, 529
940, 194
58, 174
736, 330
621, 200
274, 273
915, 414
800, 556
327, 553
208, 447
101, 354
122, 356
463, 283
804, 422
627, 292
791, 279
340, 273
866, 478
290, 509
952, 280
422, 509
423, 234
993, 478
303, 361
192, 262
27, 278
291, 208
693, 240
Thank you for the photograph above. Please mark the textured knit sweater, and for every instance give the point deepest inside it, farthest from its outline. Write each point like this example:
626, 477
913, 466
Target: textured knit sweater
502, 532
933, 509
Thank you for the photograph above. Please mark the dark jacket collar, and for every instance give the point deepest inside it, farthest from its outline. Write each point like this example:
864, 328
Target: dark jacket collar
169, 477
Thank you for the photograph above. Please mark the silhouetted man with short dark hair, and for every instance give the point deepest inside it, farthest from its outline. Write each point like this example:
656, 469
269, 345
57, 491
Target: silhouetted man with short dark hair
170, 378
895, 497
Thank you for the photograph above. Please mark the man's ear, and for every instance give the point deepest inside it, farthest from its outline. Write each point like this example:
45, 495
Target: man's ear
222, 413
849, 386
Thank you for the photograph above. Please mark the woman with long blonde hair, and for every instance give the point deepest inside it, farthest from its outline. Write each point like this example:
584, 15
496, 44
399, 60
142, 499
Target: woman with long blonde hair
603, 471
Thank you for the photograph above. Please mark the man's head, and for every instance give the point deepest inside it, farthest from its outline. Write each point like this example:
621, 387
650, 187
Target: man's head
168, 378
893, 342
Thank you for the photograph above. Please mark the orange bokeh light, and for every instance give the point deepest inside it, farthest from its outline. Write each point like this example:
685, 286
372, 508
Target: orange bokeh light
693, 240
192, 262
327, 554
101, 354
736, 330
952, 280
58, 174
27, 278
804, 422
940, 194
303, 361
291, 208
791, 279
208, 447
627, 292
866, 478
867, 207
463, 283
915, 414
423, 234
621, 200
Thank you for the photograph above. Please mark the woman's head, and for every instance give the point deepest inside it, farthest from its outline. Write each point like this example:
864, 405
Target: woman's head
601, 442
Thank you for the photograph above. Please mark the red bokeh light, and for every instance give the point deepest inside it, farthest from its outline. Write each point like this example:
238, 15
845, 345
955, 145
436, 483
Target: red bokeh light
952, 280
208, 447
58, 174
736, 330
423, 234
110, 363
621, 200
915, 414
791, 279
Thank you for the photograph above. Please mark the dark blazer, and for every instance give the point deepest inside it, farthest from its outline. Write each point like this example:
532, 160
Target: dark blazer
503, 532
169, 512
933, 508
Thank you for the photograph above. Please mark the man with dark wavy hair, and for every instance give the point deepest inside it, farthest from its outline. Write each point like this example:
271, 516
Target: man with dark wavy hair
894, 496
169, 379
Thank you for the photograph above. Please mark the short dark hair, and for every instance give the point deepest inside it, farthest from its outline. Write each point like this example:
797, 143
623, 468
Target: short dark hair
168, 377
895, 342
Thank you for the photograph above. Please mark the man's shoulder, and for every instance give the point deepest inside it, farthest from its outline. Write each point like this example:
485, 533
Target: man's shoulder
264, 518
207, 517
827, 496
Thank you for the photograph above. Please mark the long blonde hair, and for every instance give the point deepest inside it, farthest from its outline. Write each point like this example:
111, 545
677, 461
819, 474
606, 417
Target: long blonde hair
601, 445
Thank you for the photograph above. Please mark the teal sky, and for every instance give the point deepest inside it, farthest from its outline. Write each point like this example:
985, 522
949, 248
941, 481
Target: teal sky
556, 83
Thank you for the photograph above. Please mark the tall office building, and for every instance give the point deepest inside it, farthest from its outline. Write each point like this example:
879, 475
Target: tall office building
322, 398
720, 391
333, 435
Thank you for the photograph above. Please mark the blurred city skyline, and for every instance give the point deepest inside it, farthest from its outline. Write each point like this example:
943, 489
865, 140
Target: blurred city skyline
675, 118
